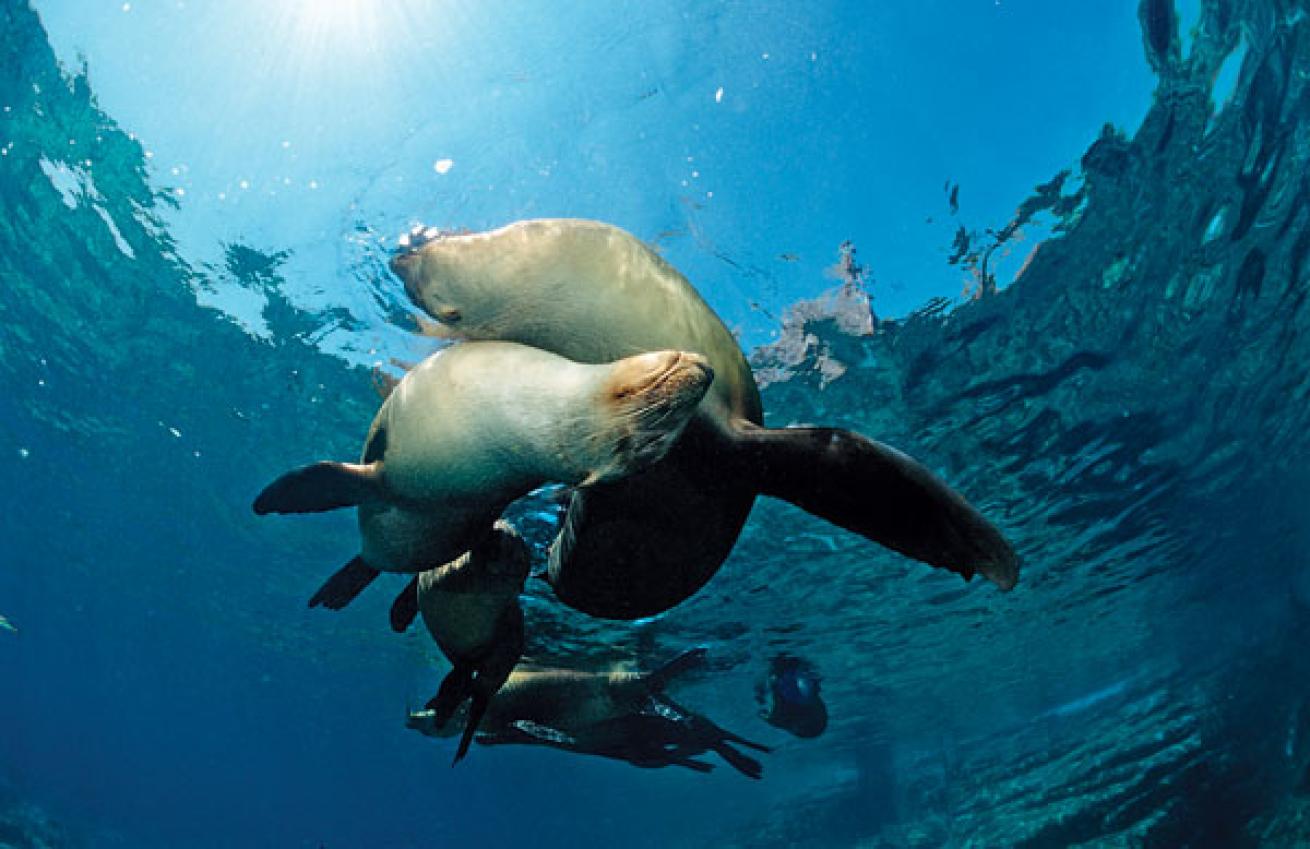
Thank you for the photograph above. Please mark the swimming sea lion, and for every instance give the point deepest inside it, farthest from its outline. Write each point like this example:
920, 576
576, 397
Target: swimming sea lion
639, 546
621, 715
569, 700
471, 608
476, 426
662, 735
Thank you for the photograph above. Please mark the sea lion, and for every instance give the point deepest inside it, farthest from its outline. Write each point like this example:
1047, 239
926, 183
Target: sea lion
471, 608
571, 699
476, 426
621, 715
663, 735
638, 546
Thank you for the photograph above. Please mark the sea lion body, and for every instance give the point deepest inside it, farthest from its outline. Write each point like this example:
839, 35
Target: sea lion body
583, 289
638, 546
569, 700
565, 699
474, 427
620, 714
471, 608
465, 602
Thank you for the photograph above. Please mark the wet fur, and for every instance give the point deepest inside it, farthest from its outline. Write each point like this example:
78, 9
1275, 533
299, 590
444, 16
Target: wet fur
636, 547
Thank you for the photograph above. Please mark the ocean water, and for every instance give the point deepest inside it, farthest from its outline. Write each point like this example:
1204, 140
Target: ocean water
1100, 338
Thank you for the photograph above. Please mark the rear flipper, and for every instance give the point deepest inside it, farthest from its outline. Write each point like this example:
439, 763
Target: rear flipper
454, 689
689, 763
716, 738
346, 583
680, 665
744, 764
319, 487
493, 672
477, 709
405, 608
878, 492
725, 735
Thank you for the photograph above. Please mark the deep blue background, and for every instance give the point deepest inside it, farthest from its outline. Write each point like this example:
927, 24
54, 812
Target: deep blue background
1131, 410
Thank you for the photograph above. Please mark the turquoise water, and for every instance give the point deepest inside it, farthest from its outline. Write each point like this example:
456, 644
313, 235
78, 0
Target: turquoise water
1130, 406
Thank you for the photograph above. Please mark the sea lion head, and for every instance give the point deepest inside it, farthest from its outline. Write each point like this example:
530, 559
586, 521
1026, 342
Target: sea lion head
504, 558
457, 278
424, 721
648, 399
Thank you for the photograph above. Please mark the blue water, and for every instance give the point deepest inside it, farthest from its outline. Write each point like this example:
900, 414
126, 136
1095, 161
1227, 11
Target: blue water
199, 201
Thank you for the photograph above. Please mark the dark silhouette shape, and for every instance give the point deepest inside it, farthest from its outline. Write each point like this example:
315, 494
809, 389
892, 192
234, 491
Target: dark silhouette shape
790, 697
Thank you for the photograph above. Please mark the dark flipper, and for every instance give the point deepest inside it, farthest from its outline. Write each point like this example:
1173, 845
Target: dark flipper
718, 732
319, 487
346, 583
477, 709
742, 741
493, 672
642, 544
878, 492
405, 608
454, 689
744, 764
690, 763
680, 665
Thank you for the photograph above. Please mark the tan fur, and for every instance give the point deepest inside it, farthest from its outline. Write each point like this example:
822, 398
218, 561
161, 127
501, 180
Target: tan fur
586, 290
464, 603
477, 425
566, 700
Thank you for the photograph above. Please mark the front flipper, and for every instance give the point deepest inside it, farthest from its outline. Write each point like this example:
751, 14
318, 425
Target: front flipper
405, 608
319, 487
346, 583
878, 492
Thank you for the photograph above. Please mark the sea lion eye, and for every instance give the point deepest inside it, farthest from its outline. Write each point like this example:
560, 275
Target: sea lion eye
448, 315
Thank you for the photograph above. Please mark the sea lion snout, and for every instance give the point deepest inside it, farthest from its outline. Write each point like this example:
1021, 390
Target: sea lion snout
653, 396
418, 236
405, 261
674, 373
402, 262
424, 721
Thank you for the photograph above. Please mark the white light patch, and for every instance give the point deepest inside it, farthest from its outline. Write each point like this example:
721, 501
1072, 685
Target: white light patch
119, 241
442, 166
66, 181
718, 95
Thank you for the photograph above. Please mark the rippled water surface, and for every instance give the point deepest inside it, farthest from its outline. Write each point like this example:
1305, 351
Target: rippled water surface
1123, 387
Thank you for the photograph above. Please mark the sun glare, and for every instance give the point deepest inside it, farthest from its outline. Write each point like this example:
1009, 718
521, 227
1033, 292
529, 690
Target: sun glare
338, 24
313, 43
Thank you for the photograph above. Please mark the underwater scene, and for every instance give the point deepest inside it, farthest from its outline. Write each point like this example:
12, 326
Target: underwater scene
650, 424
